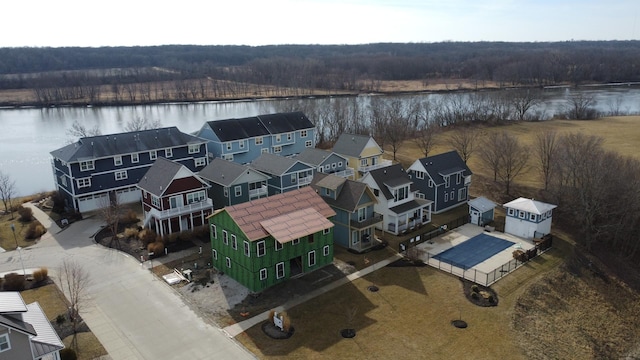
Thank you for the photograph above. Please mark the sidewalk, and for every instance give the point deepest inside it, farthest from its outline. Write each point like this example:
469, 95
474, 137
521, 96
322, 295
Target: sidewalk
238, 328
43, 218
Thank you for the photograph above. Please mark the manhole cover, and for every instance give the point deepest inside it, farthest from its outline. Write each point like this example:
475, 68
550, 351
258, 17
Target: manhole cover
460, 324
373, 288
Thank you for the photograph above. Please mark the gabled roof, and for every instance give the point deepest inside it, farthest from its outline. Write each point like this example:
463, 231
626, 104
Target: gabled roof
314, 156
14, 322
161, 174
273, 164
530, 206
225, 173
46, 341
350, 194
482, 203
306, 213
261, 125
444, 164
12, 302
124, 143
352, 144
390, 176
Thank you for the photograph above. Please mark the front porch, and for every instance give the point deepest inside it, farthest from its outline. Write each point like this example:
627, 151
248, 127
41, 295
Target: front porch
178, 219
363, 233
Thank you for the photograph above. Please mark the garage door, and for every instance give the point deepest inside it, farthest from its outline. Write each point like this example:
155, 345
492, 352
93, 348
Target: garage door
130, 195
90, 203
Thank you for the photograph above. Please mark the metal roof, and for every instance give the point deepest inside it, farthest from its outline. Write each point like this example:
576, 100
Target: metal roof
11, 302
46, 341
530, 206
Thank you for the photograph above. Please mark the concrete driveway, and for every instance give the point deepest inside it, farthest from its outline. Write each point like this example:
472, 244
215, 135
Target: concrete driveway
132, 313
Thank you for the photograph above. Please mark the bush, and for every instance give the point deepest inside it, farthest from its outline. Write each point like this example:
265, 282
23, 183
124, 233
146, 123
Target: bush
129, 218
171, 238
147, 236
131, 232
491, 299
60, 319
58, 202
156, 247
40, 274
25, 213
14, 282
34, 231
474, 288
474, 295
68, 354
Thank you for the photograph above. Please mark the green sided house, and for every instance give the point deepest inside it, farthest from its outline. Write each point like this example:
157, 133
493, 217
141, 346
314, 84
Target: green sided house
264, 242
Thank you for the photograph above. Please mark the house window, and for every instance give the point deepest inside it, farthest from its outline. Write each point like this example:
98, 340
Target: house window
121, 175
310, 239
420, 195
200, 162
196, 197
327, 167
326, 231
228, 261
362, 214
278, 245
430, 183
401, 193
229, 146
363, 162
262, 249
333, 165
117, 160
532, 217
228, 157
419, 174
263, 274
259, 140
303, 133
340, 164
213, 231
168, 153
87, 165
452, 196
4, 342
241, 144
194, 148
549, 213
153, 154
135, 158
325, 250
238, 190
234, 242
308, 143
294, 178
446, 181
264, 151
295, 241
458, 178
511, 212
280, 270
521, 214
155, 201
63, 180
277, 149
446, 197
289, 136
312, 258
462, 194
226, 192
278, 138
215, 254
225, 237
376, 192
83, 183
247, 249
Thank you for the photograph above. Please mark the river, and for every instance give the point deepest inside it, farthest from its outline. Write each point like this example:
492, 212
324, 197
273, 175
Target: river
28, 135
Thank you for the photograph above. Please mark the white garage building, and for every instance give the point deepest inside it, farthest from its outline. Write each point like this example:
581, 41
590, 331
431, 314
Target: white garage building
528, 218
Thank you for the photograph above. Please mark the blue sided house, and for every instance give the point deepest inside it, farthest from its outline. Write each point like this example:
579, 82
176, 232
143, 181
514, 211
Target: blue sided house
326, 162
285, 174
443, 179
232, 183
244, 140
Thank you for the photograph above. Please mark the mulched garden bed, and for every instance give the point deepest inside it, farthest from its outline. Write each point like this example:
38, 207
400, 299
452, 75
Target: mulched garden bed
478, 294
274, 332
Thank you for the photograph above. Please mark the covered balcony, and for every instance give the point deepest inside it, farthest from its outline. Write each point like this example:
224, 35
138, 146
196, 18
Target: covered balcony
373, 220
382, 163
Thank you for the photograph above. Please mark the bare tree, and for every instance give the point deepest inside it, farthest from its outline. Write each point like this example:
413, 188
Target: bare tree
426, 137
513, 159
111, 210
580, 106
7, 191
491, 153
464, 141
141, 123
545, 149
74, 281
523, 100
78, 130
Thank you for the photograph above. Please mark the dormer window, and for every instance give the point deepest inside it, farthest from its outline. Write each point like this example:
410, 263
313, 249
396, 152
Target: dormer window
458, 178
289, 136
168, 153
117, 160
419, 175
278, 138
194, 148
401, 193
135, 158
153, 154
446, 181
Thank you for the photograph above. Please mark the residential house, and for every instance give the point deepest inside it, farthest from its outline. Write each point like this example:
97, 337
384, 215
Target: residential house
363, 153
98, 169
25, 331
481, 211
286, 173
326, 162
442, 178
232, 183
353, 202
397, 201
528, 218
264, 242
174, 199
243, 140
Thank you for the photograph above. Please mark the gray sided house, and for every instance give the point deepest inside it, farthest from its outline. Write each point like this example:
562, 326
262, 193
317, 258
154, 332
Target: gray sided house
443, 179
326, 162
232, 183
353, 202
97, 169
243, 140
286, 173
25, 331
362, 152
264, 242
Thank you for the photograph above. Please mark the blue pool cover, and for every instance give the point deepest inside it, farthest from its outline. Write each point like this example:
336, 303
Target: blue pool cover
473, 251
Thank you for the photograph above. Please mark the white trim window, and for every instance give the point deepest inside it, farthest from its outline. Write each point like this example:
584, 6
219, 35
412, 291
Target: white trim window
279, 270
430, 183
312, 258
247, 249
278, 138
87, 165
237, 190
5, 344
289, 136
458, 178
263, 274
308, 143
242, 144
362, 214
339, 163
196, 197
168, 152
259, 140
326, 231
325, 250
225, 192
446, 181
419, 175
228, 157
225, 237
278, 246
200, 162
262, 248
532, 217
294, 178
277, 149
135, 158
215, 254
363, 162
214, 231
117, 160
83, 183
155, 201
228, 261
234, 242
229, 146
121, 175
153, 154
511, 212
264, 151
446, 196
521, 214
194, 148
462, 194
303, 133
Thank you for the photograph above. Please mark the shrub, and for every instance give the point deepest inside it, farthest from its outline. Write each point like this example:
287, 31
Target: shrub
40, 274
58, 202
475, 288
474, 295
34, 231
129, 218
147, 236
60, 319
186, 236
68, 354
271, 313
25, 213
131, 232
171, 238
13, 282
491, 299
286, 322
156, 247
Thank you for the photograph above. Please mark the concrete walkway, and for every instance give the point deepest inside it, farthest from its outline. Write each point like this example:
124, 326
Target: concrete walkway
131, 312
238, 328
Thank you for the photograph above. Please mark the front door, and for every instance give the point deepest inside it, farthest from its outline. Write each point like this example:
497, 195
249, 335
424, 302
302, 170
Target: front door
475, 217
295, 267
175, 202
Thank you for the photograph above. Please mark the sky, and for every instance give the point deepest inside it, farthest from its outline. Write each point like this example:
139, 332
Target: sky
58, 23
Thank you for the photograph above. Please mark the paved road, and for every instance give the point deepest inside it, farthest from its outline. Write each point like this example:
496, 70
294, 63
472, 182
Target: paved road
133, 314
